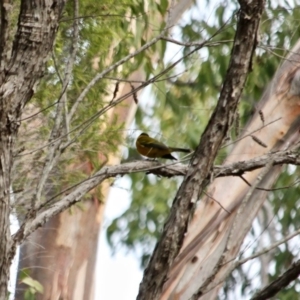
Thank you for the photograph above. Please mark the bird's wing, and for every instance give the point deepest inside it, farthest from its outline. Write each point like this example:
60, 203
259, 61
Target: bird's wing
155, 145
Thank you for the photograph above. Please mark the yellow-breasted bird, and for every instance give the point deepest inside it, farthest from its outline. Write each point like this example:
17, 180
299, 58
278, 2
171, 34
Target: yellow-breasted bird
153, 148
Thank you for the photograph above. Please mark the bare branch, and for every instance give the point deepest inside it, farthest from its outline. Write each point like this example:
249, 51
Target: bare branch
178, 169
109, 69
218, 202
239, 168
192, 44
255, 255
112, 104
101, 16
267, 249
56, 67
281, 282
76, 192
54, 151
84, 125
32, 223
251, 133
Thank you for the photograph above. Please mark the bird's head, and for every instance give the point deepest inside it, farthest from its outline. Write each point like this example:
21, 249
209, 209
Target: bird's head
144, 134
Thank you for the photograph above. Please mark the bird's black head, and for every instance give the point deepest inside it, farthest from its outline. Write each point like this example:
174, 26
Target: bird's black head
144, 134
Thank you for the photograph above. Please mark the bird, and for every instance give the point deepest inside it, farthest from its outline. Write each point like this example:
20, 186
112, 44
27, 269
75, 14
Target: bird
152, 148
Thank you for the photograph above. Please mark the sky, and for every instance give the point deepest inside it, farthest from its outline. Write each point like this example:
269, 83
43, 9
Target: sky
122, 269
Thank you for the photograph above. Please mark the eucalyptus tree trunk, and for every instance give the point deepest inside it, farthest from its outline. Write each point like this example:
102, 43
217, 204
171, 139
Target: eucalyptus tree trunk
216, 232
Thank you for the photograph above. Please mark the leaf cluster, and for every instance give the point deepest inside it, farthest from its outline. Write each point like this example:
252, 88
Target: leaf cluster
103, 34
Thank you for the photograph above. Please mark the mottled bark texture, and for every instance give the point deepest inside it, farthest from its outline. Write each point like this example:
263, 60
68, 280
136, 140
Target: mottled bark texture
175, 228
21, 70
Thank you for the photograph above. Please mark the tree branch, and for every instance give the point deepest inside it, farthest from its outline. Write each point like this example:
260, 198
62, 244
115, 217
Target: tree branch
54, 149
255, 255
110, 68
84, 125
281, 282
75, 193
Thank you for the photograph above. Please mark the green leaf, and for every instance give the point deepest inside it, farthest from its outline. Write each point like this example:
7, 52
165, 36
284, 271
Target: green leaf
34, 284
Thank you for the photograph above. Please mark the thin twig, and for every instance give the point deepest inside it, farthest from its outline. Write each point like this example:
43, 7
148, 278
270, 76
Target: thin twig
251, 133
110, 68
238, 263
215, 200
279, 283
53, 152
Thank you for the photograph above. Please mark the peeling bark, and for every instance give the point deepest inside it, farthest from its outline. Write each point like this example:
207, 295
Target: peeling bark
214, 237
62, 254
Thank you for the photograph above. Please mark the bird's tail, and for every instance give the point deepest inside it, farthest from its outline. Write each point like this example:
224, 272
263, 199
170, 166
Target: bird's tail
180, 150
